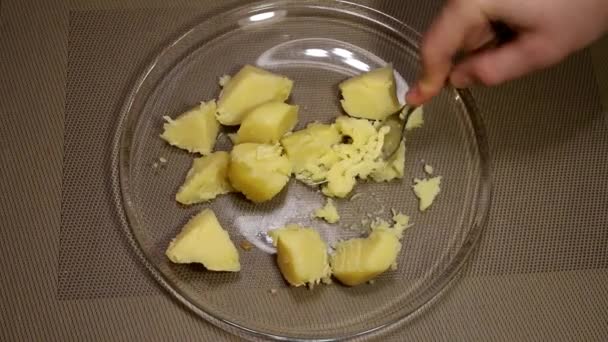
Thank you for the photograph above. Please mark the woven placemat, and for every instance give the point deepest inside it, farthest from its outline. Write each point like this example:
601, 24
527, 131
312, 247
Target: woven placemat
540, 272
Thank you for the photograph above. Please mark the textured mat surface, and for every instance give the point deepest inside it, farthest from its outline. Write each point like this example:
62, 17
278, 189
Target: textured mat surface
540, 272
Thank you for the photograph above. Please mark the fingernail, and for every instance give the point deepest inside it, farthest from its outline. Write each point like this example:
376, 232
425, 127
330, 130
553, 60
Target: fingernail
414, 91
412, 95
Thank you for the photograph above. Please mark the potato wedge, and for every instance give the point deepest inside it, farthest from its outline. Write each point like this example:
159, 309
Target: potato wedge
301, 255
248, 89
267, 123
204, 241
194, 131
206, 179
372, 95
259, 171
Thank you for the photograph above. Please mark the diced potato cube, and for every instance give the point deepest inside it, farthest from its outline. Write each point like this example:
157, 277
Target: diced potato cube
310, 151
427, 190
207, 178
329, 212
267, 123
372, 95
204, 241
249, 88
194, 131
359, 260
301, 255
259, 171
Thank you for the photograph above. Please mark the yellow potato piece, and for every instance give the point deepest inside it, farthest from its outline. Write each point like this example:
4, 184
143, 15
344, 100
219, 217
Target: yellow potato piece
248, 89
206, 179
267, 123
194, 131
301, 255
394, 168
428, 169
329, 212
400, 225
319, 156
259, 171
204, 241
360, 131
310, 151
427, 190
416, 119
371, 95
358, 159
357, 261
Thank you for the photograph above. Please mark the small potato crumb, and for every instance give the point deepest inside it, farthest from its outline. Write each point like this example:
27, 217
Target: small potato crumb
429, 169
162, 160
427, 190
371, 282
224, 80
328, 213
273, 291
246, 245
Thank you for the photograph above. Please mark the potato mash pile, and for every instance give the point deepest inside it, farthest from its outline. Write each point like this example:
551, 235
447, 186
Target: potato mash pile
267, 153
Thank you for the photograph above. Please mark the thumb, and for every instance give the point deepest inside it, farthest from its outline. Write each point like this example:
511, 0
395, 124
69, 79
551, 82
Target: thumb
515, 59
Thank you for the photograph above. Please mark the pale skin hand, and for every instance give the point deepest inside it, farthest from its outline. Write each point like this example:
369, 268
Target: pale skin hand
546, 32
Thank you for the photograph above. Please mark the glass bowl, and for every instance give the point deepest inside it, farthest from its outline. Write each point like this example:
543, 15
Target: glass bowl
317, 44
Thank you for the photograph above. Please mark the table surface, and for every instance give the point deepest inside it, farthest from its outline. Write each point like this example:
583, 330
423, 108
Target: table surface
540, 272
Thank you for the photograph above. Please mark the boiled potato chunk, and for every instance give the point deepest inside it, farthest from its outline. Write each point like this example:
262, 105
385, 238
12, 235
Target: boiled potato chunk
310, 151
204, 241
372, 95
427, 190
248, 89
259, 171
301, 255
357, 261
194, 131
267, 123
207, 178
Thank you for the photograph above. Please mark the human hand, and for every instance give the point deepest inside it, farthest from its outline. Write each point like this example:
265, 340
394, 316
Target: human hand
546, 31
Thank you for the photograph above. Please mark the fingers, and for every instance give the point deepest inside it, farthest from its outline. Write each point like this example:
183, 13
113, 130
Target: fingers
478, 39
446, 37
495, 66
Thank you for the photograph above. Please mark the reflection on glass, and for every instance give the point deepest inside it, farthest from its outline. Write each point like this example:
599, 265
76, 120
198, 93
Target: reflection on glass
262, 16
342, 53
357, 64
316, 53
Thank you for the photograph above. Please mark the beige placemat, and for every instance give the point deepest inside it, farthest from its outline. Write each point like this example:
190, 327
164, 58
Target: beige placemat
539, 274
